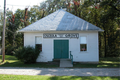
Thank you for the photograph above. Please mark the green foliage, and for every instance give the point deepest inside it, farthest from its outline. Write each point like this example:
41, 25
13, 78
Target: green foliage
10, 50
27, 54
35, 13
19, 39
37, 49
12, 25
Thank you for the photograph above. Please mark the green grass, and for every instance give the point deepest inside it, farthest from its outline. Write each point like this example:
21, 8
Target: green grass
38, 77
110, 62
11, 61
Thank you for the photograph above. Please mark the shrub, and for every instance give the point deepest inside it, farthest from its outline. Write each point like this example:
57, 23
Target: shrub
27, 54
9, 50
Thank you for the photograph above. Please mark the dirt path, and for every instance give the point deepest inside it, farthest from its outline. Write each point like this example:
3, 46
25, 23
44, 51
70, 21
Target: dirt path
61, 71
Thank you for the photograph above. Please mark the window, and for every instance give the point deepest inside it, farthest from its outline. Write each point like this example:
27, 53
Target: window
38, 42
83, 43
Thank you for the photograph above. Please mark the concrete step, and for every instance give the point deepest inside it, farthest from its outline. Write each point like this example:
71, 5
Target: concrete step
65, 63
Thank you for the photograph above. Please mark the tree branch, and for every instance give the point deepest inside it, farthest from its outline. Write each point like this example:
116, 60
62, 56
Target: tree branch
114, 7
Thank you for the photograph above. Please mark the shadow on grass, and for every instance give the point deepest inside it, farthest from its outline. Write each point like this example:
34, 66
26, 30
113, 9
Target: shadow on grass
103, 63
82, 78
113, 59
18, 63
100, 65
11, 61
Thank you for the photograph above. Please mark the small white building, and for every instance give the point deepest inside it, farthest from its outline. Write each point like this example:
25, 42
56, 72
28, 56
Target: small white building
60, 33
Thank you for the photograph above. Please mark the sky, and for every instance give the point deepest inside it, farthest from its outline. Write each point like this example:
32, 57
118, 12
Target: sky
21, 4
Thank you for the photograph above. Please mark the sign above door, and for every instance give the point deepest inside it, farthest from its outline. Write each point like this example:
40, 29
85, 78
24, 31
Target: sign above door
60, 35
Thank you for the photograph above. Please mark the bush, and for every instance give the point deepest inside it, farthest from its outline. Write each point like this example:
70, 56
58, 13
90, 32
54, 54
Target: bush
27, 54
9, 50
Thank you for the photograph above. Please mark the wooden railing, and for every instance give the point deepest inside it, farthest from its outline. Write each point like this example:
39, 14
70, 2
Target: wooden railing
71, 57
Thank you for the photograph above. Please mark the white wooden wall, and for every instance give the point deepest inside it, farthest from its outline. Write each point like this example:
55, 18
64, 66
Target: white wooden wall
47, 54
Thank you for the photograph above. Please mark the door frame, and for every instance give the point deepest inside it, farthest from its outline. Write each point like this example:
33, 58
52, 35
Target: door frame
60, 39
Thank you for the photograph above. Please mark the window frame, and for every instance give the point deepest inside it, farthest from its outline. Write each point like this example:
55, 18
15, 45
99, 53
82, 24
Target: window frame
83, 43
40, 42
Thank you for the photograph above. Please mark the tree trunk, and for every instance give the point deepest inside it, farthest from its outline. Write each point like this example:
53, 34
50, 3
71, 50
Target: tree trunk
105, 49
44, 13
13, 39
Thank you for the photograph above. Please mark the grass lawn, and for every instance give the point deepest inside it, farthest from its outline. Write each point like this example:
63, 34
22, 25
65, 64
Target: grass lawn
38, 77
11, 61
103, 63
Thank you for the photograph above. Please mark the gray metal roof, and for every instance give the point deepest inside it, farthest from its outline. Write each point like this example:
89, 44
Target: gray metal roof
61, 21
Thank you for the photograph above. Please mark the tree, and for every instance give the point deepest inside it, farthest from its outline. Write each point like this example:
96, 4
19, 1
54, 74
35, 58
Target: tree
1, 25
35, 13
110, 19
25, 19
105, 16
13, 24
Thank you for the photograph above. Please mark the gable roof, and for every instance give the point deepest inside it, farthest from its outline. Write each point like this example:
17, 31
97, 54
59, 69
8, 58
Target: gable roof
61, 20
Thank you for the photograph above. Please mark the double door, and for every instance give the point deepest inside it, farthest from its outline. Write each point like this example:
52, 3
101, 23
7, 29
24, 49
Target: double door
61, 49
